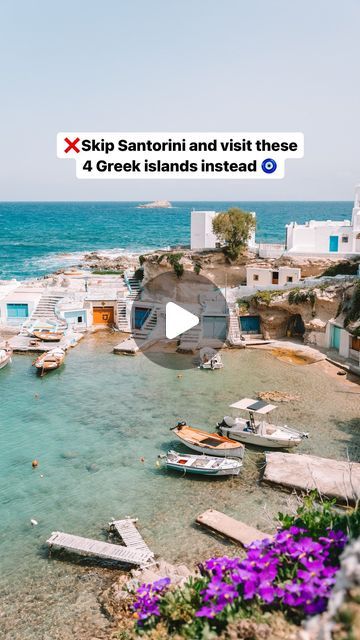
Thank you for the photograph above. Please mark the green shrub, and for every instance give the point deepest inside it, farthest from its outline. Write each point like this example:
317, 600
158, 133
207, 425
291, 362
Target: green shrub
197, 268
341, 268
266, 296
107, 272
139, 274
352, 312
301, 296
174, 260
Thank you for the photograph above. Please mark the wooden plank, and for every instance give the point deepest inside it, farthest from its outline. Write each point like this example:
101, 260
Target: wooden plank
230, 528
131, 536
333, 478
97, 548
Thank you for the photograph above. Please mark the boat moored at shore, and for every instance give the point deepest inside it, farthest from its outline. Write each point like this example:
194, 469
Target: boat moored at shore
5, 356
257, 431
49, 361
202, 465
211, 444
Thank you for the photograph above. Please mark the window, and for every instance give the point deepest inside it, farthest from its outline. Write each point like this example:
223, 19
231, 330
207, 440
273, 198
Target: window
289, 279
17, 310
80, 319
255, 277
345, 239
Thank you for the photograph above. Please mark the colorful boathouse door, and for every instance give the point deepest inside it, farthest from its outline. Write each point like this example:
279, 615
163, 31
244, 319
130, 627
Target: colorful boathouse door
335, 337
334, 243
103, 315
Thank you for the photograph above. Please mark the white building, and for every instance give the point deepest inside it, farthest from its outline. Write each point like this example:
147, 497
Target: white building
339, 339
326, 237
202, 235
266, 276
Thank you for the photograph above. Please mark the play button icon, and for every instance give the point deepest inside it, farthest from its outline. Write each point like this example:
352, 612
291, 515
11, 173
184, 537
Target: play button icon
178, 320
173, 317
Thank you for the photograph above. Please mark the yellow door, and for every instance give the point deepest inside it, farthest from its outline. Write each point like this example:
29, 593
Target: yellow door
103, 315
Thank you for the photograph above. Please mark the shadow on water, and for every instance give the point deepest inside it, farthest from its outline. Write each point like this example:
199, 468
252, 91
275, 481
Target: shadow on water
352, 429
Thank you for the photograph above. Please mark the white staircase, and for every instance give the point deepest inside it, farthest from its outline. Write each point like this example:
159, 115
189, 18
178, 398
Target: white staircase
189, 341
122, 322
45, 309
133, 286
234, 336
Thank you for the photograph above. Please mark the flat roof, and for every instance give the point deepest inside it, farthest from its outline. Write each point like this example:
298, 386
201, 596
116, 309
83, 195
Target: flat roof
256, 406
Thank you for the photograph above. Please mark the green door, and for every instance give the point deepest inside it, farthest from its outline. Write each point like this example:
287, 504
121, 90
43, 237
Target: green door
335, 337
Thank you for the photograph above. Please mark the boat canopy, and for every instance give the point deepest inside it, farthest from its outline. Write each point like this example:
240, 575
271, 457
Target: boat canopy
255, 406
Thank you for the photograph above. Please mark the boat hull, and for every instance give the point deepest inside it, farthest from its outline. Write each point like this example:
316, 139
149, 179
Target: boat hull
236, 452
4, 362
203, 472
48, 337
246, 437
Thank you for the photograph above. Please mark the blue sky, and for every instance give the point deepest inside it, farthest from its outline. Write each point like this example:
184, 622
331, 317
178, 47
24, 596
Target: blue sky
187, 65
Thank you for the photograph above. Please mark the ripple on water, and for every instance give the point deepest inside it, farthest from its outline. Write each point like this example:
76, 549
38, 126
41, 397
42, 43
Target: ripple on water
92, 423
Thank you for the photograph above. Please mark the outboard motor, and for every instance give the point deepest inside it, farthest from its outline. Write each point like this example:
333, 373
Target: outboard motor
182, 423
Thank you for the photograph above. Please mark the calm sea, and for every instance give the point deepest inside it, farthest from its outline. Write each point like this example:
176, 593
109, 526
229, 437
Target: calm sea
34, 236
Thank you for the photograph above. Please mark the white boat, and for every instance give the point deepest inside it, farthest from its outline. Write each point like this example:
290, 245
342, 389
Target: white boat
202, 465
210, 359
211, 444
5, 357
255, 430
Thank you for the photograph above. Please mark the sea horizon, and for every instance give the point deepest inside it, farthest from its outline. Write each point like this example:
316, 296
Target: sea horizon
35, 235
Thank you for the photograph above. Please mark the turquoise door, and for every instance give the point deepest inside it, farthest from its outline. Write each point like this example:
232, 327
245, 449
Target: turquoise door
334, 243
250, 324
335, 337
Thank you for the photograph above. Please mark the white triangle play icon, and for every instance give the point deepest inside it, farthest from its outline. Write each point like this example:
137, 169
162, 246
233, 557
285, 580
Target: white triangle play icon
178, 320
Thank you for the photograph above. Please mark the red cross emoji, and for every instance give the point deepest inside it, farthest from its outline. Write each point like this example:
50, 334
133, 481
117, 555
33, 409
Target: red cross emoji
72, 145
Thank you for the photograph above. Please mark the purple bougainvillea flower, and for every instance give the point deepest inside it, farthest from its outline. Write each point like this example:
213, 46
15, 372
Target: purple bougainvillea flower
267, 592
250, 589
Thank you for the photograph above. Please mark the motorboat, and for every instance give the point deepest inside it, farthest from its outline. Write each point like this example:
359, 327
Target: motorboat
202, 464
210, 359
255, 430
211, 444
49, 360
5, 356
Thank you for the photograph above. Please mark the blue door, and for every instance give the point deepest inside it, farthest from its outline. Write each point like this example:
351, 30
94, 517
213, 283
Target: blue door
335, 337
250, 324
141, 315
334, 243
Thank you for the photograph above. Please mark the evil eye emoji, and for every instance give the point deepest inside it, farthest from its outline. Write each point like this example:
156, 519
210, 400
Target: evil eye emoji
269, 165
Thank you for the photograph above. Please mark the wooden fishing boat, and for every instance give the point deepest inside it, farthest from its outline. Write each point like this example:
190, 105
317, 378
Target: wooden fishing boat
49, 361
202, 465
48, 336
257, 431
210, 443
5, 357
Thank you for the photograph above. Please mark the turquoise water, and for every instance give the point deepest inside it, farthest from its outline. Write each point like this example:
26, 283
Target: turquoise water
34, 236
89, 424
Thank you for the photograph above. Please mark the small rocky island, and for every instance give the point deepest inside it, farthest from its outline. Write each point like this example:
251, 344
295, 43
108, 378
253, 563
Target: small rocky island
157, 204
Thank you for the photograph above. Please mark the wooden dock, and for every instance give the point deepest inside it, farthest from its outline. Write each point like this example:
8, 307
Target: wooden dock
333, 478
105, 550
231, 528
130, 536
